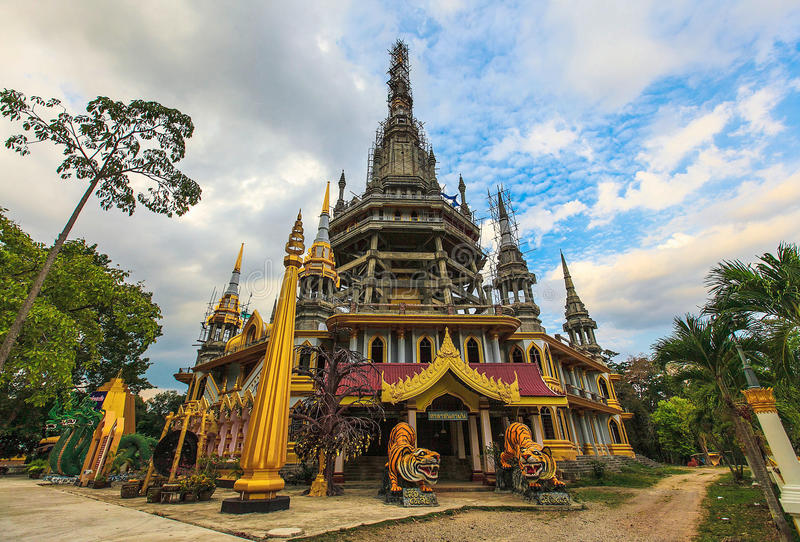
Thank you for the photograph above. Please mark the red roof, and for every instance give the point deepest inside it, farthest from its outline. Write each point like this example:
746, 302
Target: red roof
530, 380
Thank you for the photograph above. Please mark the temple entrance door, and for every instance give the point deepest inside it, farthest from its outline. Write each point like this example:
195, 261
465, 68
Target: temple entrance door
443, 436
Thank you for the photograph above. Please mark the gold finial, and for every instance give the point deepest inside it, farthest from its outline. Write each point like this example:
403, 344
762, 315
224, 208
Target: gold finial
238, 266
326, 207
295, 246
448, 348
119, 374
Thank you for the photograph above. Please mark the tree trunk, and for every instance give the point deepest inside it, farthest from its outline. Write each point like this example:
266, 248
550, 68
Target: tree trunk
36, 287
703, 446
757, 465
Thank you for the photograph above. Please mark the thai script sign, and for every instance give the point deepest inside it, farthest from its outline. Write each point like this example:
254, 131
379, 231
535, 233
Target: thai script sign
412, 496
448, 415
553, 498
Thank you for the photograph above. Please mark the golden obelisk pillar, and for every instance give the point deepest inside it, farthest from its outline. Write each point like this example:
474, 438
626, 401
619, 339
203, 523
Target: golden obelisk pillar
264, 450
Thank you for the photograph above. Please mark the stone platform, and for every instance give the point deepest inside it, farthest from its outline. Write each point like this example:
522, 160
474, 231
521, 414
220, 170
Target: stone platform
314, 515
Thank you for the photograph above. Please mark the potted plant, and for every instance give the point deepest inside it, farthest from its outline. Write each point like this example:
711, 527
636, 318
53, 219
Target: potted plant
130, 488
197, 487
100, 481
36, 468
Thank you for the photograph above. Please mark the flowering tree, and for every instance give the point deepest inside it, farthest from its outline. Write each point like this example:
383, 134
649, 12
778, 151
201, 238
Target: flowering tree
324, 425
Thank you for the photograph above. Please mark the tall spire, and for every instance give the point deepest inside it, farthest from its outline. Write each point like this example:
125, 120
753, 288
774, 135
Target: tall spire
342, 184
233, 286
505, 228
400, 99
568, 278
579, 325
462, 189
324, 217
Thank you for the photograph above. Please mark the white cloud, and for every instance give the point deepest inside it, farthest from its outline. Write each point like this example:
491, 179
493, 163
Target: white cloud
546, 138
541, 219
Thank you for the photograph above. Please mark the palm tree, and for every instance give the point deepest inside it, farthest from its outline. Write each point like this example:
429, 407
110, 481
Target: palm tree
704, 351
768, 292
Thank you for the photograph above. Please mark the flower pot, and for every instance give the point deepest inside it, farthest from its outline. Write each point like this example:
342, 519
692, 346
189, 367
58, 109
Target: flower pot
206, 494
154, 494
100, 484
190, 497
129, 490
35, 475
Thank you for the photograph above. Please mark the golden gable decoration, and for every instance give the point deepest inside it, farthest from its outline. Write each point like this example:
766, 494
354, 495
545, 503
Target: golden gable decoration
448, 359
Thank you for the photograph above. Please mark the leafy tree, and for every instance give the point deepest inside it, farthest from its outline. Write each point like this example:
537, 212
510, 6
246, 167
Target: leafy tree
642, 386
705, 351
672, 420
103, 148
87, 324
152, 415
322, 422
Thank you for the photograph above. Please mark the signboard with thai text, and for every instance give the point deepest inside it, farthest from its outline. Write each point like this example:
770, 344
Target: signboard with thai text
448, 415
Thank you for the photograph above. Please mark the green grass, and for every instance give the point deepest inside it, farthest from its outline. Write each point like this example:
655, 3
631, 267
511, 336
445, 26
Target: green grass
746, 521
635, 476
612, 497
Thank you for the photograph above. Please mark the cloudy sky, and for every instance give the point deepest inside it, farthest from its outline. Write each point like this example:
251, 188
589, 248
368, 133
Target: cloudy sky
648, 140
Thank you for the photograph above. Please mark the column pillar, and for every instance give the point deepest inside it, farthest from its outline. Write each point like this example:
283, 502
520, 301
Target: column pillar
474, 448
338, 469
496, 348
401, 345
575, 436
412, 418
486, 433
224, 430
588, 446
234, 434
763, 402
536, 427
353, 339
460, 440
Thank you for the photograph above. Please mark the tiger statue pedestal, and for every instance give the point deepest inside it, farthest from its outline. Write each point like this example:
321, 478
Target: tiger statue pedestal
529, 470
410, 471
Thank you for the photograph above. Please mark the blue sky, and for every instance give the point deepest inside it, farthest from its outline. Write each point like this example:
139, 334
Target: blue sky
646, 140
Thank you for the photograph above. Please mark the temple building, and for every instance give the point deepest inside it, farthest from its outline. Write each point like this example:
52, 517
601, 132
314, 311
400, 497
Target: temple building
397, 275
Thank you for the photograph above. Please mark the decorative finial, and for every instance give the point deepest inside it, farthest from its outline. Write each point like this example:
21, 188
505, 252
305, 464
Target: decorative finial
326, 207
295, 246
238, 265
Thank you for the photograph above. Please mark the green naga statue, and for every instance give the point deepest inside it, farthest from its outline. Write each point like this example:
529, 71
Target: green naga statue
76, 424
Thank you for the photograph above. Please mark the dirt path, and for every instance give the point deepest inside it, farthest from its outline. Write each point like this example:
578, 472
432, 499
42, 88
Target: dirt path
667, 512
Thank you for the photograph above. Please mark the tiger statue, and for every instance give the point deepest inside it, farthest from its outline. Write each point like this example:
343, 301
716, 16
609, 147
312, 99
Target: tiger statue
409, 463
535, 463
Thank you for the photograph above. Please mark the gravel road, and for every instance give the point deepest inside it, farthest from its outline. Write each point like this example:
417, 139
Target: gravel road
667, 512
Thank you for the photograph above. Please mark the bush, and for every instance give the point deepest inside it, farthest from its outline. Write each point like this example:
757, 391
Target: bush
37, 467
598, 469
197, 483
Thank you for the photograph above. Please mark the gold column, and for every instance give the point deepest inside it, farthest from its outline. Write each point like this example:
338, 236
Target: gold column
264, 451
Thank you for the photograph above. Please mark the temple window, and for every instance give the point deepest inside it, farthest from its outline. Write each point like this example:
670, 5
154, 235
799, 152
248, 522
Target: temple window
603, 387
616, 437
536, 357
397, 215
251, 335
414, 216
547, 425
425, 350
304, 362
473, 351
516, 355
377, 350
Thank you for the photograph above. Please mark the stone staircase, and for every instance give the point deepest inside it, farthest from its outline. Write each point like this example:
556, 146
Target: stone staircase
365, 468
583, 465
370, 468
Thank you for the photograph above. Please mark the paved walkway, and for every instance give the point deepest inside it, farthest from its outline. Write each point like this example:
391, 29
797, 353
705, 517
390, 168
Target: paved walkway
31, 512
